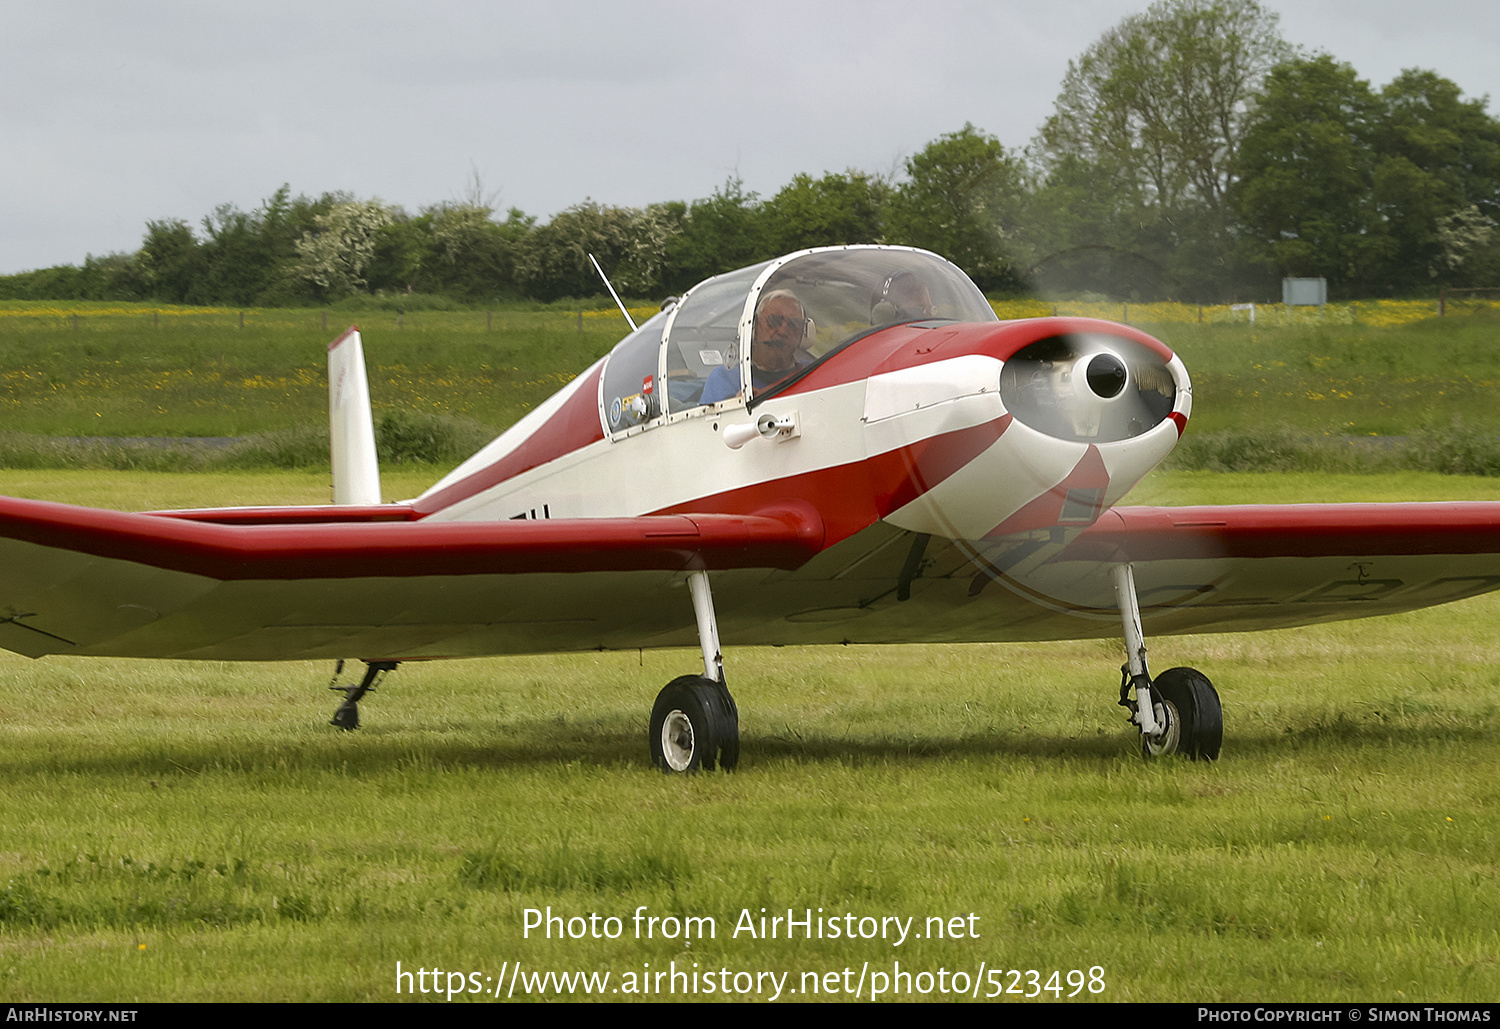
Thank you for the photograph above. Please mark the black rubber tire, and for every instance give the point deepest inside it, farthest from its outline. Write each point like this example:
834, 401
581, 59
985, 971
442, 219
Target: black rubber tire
1192, 707
727, 730
685, 725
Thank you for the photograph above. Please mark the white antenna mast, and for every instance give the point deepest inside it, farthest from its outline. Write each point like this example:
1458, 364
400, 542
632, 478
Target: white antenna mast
613, 293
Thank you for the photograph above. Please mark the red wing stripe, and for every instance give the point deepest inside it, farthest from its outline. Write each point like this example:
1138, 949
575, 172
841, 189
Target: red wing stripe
1297, 530
308, 515
783, 539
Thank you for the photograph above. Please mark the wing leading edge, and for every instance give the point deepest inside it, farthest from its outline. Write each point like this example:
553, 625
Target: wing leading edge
267, 584
76, 579
1210, 569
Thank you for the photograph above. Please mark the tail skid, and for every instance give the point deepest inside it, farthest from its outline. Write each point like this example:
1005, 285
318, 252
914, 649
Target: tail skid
356, 472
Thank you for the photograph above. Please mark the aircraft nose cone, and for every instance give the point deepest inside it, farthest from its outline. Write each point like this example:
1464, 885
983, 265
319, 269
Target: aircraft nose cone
1105, 376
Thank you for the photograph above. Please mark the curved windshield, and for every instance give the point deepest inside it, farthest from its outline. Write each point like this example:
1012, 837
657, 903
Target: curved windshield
846, 292
808, 306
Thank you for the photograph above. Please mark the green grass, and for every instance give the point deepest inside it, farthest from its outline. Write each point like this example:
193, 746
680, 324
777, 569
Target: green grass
190, 373
142, 370
196, 831
1344, 379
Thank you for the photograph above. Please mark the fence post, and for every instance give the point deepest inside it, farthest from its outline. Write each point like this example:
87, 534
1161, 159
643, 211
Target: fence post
580, 321
242, 319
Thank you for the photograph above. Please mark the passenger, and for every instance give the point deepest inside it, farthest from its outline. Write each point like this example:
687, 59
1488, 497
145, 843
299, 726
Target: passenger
780, 330
902, 297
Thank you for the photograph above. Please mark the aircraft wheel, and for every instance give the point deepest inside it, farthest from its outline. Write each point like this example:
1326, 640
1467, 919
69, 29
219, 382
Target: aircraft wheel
685, 725
1187, 706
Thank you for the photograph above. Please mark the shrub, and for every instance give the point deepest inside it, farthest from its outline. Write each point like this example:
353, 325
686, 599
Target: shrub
1455, 450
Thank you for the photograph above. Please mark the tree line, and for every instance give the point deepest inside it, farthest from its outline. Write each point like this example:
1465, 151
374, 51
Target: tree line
1192, 155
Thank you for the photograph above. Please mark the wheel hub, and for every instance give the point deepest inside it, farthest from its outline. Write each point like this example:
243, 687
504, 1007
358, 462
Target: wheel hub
677, 740
1170, 738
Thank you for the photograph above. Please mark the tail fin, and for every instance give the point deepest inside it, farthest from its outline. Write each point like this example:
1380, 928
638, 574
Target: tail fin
356, 474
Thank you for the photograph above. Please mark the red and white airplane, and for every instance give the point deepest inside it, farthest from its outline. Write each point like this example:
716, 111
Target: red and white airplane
845, 442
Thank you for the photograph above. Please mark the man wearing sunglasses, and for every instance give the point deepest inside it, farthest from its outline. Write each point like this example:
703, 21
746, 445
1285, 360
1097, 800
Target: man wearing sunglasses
780, 331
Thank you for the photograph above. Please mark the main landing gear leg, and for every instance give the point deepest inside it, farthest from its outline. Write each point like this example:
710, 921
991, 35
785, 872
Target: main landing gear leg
1178, 712
347, 715
694, 722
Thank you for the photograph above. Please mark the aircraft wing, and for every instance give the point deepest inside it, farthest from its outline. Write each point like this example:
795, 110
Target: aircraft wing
303, 582
1213, 569
379, 583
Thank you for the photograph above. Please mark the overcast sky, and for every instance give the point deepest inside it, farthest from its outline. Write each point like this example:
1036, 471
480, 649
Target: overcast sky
113, 114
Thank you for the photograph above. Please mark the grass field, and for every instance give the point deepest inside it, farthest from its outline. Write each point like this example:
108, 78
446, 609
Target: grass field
147, 371
196, 831
152, 371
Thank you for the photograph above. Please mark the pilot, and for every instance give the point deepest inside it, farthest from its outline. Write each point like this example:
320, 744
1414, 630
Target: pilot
780, 331
901, 297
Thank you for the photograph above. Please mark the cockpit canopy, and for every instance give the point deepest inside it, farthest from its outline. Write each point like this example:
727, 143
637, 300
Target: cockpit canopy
702, 351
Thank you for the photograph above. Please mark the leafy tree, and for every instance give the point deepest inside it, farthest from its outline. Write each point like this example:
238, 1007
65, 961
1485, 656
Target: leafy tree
644, 265
111, 277
1383, 192
473, 257
1157, 110
1463, 236
456, 249
554, 261
281, 222
173, 262
836, 209
1428, 122
1081, 238
250, 257
1439, 158
114, 277
724, 231
1307, 168
402, 250
963, 197
335, 254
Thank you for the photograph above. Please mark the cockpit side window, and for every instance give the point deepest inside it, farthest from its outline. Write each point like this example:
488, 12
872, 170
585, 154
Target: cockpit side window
629, 393
702, 350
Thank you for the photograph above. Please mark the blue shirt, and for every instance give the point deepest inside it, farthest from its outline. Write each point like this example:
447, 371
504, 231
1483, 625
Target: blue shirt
724, 381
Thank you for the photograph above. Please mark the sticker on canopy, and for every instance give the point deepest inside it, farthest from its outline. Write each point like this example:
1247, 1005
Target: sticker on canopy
646, 385
616, 409
711, 357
